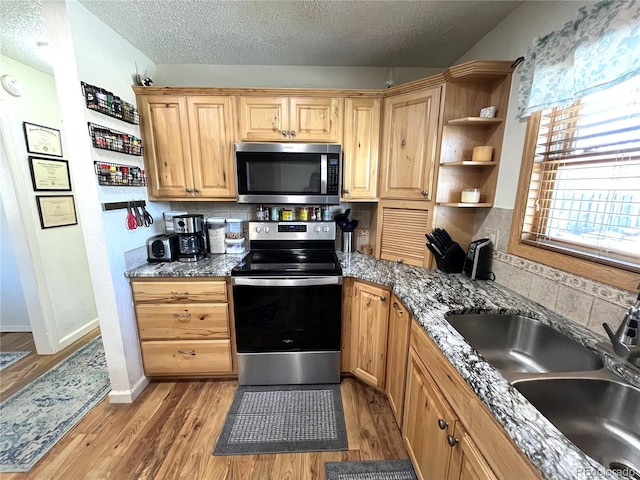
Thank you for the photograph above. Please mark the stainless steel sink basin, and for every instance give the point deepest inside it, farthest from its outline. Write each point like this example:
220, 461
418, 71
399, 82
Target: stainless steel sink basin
514, 343
601, 417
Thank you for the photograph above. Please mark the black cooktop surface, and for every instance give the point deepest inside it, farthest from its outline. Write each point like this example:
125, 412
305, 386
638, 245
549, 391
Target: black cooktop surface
289, 262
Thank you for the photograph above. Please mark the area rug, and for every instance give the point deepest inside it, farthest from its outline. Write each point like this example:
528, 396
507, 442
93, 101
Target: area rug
283, 418
9, 358
34, 418
374, 470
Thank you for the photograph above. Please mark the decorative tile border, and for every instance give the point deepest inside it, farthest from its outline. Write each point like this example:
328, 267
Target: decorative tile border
595, 289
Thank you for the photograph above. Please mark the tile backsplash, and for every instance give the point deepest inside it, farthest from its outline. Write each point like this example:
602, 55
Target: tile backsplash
582, 300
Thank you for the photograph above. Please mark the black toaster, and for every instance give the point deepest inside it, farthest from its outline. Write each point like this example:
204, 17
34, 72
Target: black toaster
162, 248
477, 264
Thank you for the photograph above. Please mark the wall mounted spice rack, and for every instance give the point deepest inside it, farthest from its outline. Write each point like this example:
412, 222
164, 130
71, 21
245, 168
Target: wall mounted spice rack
116, 175
109, 139
105, 102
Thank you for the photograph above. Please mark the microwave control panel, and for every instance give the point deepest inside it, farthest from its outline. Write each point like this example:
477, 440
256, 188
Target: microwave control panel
333, 174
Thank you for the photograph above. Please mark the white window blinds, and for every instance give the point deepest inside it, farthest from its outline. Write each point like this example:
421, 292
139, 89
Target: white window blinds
584, 196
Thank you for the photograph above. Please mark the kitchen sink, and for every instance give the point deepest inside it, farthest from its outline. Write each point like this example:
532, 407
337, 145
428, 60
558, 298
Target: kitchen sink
600, 416
514, 343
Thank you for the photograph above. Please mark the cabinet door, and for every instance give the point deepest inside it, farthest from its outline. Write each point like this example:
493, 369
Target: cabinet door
402, 226
410, 133
315, 119
426, 441
369, 323
466, 461
360, 149
263, 119
211, 138
165, 130
397, 352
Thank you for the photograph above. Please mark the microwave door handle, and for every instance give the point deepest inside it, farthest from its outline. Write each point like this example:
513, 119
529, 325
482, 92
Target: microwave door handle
323, 174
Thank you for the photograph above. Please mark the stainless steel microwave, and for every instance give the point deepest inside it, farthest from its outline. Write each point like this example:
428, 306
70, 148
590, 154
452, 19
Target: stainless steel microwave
288, 173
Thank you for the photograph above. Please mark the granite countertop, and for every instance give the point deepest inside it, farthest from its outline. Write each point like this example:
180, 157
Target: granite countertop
430, 295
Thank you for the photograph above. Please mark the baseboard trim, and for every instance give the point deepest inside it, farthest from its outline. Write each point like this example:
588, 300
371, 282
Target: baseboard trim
128, 396
78, 334
15, 328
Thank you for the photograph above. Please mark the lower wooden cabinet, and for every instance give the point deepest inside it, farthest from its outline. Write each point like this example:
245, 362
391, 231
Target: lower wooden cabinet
184, 327
369, 326
467, 462
397, 352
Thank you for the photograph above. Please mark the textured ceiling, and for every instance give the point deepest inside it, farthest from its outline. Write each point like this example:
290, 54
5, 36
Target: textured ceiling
273, 32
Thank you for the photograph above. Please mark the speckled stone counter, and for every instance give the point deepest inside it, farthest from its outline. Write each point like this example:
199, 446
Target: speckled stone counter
431, 295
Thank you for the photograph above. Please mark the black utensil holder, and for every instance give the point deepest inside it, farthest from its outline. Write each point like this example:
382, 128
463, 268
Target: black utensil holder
452, 260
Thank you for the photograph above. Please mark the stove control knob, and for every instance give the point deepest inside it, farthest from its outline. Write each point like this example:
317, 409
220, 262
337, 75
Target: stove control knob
258, 229
317, 229
267, 229
325, 229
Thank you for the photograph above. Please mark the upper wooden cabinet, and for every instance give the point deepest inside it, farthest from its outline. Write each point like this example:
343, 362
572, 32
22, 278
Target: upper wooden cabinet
294, 119
409, 145
360, 149
188, 145
369, 325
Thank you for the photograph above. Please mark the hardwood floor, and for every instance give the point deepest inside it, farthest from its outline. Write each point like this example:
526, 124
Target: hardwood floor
27, 369
169, 433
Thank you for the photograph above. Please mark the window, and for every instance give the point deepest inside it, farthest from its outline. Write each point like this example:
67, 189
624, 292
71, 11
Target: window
580, 183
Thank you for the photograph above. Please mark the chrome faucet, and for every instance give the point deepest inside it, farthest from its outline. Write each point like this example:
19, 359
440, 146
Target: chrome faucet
626, 343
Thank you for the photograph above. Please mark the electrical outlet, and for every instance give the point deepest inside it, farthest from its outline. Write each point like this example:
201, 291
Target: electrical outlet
492, 235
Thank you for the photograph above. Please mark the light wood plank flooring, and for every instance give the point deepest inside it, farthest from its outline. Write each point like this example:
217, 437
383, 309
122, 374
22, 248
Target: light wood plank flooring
169, 433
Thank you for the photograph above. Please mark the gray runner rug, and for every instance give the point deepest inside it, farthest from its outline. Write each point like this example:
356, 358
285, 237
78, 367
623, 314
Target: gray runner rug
373, 470
283, 418
9, 358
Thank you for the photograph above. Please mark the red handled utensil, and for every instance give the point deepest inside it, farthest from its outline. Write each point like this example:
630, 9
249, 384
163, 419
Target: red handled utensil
131, 222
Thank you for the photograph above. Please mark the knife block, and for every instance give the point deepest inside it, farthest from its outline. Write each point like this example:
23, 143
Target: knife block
452, 260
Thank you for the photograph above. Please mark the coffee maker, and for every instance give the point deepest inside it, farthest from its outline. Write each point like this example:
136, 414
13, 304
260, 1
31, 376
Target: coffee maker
191, 237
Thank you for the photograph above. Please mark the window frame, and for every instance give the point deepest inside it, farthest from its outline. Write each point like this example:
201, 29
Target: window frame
616, 277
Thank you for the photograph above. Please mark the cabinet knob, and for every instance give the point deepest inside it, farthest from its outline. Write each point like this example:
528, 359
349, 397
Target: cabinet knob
399, 260
188, 190
452, 441
284, 133
424, 193
396, 307
383, 298
347, 191
293, 133
182, 317
403, 143
196, 190
442, 424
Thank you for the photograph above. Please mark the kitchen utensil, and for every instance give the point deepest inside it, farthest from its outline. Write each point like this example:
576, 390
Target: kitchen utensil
138, 214
130, 222
148, 219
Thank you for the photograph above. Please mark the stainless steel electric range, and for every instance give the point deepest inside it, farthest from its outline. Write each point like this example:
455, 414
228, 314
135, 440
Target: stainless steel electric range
287, 295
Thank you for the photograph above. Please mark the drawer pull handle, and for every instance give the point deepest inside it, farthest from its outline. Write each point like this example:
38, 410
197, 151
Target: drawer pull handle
442, 424
176, 294
187, 352
182, 317
452, 441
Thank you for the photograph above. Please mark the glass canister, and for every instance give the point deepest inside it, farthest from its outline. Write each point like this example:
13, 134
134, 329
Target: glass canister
216, 232
234, 228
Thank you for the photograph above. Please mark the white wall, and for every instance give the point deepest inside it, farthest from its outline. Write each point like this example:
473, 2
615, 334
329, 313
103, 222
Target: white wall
510, 40
95, 54
286, 76
63, 271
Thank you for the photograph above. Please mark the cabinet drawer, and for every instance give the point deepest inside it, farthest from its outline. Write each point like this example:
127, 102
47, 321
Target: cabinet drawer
177, 357
175, 321
181, 291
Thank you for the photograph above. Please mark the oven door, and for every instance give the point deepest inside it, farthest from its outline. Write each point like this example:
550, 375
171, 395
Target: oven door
279, 314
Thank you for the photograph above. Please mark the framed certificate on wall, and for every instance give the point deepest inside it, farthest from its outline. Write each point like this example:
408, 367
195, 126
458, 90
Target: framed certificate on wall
48, 174
42, 140
56, 210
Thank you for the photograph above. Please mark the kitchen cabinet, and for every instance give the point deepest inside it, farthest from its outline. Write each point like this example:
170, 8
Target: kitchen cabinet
409, 145
397, 352
469, 89
468, 443
183, 327
401, 229
360, 149
188, 142
290, 119
369, 326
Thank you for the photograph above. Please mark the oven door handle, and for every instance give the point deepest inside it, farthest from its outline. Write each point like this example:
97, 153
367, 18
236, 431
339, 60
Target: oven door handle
286, 281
